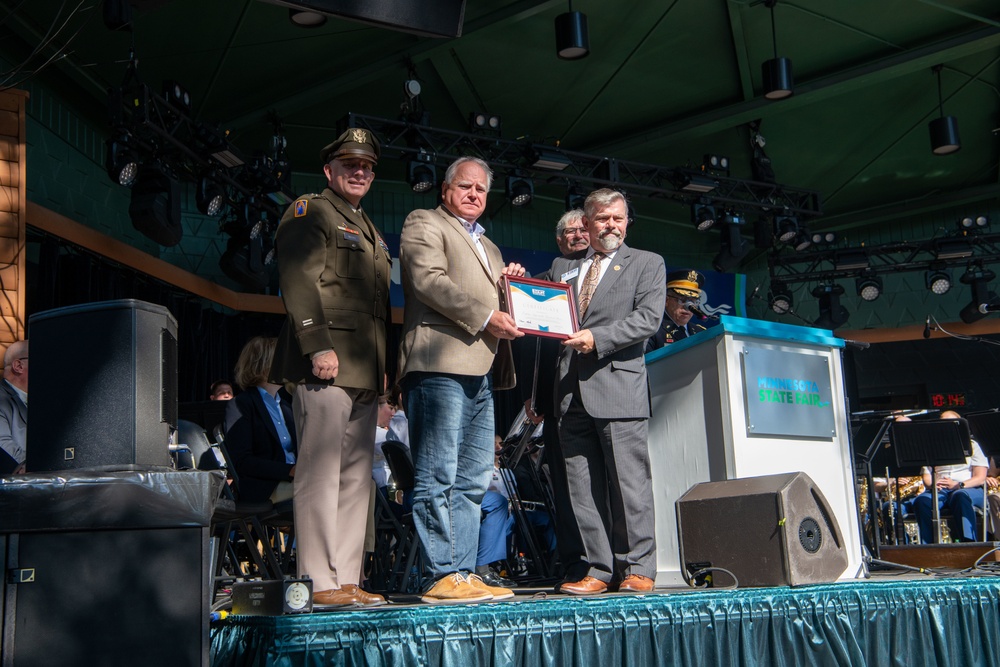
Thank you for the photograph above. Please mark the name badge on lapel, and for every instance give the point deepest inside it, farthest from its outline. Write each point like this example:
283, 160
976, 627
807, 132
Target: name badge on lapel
569, 275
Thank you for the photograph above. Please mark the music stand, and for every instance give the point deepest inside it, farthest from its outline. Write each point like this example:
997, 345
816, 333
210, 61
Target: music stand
932, 444
866, 441
985, 426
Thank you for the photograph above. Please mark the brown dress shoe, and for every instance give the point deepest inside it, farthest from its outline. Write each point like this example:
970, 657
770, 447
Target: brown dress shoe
364, 598
586, 586
334, 598
636, 583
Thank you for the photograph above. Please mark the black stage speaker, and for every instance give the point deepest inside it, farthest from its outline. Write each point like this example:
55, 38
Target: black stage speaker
103, 386
106, 597
428, 18
768, 531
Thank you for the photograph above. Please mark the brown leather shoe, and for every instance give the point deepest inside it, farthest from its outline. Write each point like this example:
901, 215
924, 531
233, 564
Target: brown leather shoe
334, 598
636, 583
586, 586
364, 598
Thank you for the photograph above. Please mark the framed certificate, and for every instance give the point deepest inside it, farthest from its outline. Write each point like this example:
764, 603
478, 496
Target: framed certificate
541, 307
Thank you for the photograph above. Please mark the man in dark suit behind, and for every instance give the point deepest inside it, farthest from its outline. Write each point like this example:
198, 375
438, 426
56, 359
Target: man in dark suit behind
602, 399
14, 408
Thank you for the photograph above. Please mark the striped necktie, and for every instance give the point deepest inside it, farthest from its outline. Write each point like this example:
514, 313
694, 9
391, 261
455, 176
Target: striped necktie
590, 282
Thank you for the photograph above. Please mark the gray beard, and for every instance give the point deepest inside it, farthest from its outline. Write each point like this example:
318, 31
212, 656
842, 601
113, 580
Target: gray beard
610, 242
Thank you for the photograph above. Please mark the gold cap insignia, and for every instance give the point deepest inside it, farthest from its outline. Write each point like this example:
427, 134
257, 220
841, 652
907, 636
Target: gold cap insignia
359, 136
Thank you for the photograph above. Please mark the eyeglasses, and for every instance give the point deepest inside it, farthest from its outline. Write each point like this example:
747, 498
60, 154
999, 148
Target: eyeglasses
574, 230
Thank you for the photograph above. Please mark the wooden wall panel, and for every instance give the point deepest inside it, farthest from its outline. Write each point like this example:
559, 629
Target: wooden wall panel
13, 201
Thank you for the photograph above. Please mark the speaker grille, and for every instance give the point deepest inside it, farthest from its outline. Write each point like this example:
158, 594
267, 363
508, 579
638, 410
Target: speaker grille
168, 407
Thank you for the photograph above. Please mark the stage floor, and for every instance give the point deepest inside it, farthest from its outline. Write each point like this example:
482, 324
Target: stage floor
890, 618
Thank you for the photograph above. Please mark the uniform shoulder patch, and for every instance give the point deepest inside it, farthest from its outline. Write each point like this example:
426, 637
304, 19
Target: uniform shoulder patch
301, 206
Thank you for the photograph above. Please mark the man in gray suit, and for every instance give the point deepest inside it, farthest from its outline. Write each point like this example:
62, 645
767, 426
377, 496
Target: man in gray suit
14, 408
602, 399
455, 345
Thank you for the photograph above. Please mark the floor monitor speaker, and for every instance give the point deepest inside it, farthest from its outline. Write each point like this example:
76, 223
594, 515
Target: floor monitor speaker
103, 386
772, 530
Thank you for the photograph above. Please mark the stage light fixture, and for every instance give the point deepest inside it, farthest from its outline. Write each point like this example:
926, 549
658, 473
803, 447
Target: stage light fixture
548, 158
703, 215
698, 183
483, 122
978, 279
520, 190
155, 207
421, 175
177, 95
763, 232
869, 286
572, 41
716, 164
732, 246
802, 240
952, 248
823, 238
305, 18
787, 228
972, 223
121, 162
848, 260
943, 129
938, 282
780, 298
243, 261
574, 198
210, 197
832, 315
777, 72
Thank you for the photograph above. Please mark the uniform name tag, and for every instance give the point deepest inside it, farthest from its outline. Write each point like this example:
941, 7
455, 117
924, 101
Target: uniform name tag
350, 236
569, 275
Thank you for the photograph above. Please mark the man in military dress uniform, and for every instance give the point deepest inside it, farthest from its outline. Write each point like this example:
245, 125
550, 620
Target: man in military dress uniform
683, 287
333, 269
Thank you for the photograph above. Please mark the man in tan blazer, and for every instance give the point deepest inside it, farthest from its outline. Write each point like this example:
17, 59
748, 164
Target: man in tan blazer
333, 269
454, 333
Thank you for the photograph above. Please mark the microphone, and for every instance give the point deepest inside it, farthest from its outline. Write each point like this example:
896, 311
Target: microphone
987, 308
927, 327
692, 306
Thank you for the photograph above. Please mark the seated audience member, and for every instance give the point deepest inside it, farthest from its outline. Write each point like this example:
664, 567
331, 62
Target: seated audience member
260, 433
399, 427
959, 489
495, 527
993, 497
14, 408
221, 390
381, 472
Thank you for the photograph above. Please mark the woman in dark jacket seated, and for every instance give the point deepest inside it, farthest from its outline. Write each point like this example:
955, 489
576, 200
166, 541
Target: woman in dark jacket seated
260, 433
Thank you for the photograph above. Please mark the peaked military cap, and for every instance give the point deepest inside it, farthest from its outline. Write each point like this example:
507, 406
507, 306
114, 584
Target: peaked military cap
685, 283
355, 142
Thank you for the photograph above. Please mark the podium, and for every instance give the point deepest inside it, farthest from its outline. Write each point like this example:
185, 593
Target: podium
743, 399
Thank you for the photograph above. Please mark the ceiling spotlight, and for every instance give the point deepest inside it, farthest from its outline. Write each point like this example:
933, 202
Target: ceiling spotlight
519, 190
698, 183
572, 42
969, 223
122, 162
869, 286
210, 197
703, 215
780, 298
305, 18
777, 72
787, 227
421, 175
177, 95
952, 248
548, 158
831, 314
938, 282
483, 122
943, 129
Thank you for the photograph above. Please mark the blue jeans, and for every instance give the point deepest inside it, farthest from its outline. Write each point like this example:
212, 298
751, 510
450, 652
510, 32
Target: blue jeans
494, 529
961, 503
451, 439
